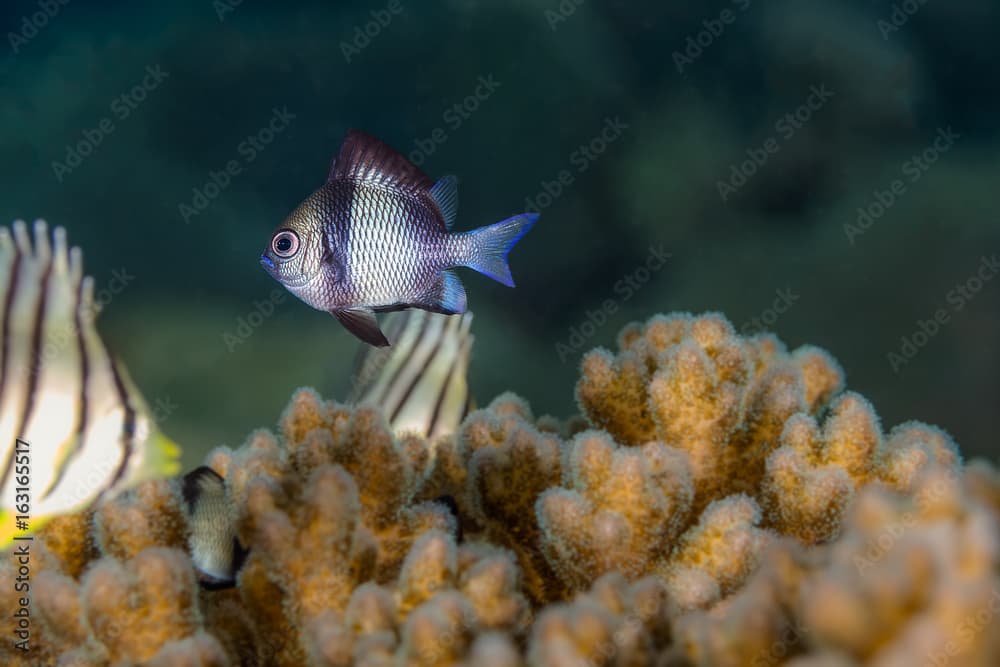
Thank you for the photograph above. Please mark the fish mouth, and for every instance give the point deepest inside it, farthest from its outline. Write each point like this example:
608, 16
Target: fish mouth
266, 262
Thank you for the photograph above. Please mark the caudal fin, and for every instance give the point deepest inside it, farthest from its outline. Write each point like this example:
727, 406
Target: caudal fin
488, 246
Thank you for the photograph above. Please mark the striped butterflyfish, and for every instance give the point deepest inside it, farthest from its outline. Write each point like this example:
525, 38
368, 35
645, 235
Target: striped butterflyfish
420, 382
73, 426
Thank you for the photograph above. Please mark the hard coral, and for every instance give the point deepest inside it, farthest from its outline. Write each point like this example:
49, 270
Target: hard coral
624, 505
694, 384
120, 610
614, 623
913, 579
443, 598
720, 502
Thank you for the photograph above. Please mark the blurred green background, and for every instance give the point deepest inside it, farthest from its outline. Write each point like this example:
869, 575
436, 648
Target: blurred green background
739, 137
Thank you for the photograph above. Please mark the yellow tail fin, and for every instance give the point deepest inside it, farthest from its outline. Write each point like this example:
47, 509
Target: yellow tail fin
9, 528
163, 458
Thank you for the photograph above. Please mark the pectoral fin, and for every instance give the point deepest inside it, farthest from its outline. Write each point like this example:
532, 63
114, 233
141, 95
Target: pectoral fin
362, 323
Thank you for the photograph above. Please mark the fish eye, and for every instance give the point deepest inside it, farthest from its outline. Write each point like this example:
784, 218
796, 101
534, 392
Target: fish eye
285, 244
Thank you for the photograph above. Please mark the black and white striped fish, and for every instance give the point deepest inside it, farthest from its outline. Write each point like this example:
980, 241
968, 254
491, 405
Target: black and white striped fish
377, 237
215, 550
73, 426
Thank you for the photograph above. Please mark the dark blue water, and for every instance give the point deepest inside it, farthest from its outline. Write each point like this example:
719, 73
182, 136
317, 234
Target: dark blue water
825, 170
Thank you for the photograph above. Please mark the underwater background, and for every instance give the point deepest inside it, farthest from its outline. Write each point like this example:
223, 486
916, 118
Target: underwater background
827, 171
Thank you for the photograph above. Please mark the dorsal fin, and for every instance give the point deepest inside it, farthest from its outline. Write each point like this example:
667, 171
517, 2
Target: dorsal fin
445, 195
362, 157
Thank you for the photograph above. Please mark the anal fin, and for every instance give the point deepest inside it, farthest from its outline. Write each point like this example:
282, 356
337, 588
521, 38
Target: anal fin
362, 323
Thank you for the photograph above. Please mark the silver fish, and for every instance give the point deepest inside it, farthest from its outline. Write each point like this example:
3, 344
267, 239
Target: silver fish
376, 237
73, 427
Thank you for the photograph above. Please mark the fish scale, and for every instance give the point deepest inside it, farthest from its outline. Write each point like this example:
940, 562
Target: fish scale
390, 248
377, 237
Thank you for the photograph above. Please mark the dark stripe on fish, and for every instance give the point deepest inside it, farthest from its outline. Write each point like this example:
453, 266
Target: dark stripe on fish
369, 362
8, 306
34, 367
337, 237
455, 363
128, 424
81, 422
420, 375
426, 320
84, 360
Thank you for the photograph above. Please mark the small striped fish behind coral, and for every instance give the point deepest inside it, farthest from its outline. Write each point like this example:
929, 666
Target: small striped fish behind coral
73, 426
420, 383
